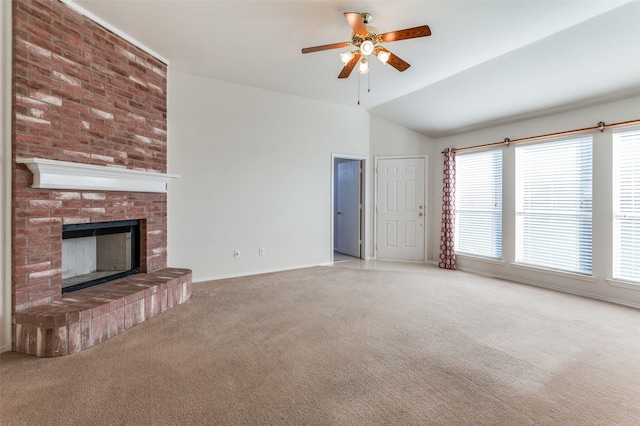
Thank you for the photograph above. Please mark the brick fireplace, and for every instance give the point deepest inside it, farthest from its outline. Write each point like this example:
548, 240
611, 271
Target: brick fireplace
84, 95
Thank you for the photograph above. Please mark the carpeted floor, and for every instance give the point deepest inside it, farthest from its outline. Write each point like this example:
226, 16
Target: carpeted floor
340, 346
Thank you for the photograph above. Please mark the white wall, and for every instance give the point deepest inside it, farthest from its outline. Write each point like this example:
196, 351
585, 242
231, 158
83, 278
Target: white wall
255, 171
5, 176
598, 286
388, 138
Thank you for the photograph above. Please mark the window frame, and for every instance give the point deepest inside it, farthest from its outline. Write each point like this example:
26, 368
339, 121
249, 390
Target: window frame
481, 210
617, 213
535, 211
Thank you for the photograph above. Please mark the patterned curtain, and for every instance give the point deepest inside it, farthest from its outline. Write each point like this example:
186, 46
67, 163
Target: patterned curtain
447, 254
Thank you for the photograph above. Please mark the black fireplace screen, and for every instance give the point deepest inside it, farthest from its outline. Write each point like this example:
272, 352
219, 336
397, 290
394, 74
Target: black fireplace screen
95, 253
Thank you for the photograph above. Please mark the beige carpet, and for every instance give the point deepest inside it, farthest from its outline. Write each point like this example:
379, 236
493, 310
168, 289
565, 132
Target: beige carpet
339, 346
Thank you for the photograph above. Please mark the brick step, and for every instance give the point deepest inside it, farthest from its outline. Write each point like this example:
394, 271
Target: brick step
87, 317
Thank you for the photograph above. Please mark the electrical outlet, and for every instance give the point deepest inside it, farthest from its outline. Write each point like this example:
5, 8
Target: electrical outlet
236, 253
261, 251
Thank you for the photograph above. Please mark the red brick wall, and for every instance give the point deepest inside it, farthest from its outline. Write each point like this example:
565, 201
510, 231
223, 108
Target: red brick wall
80, 94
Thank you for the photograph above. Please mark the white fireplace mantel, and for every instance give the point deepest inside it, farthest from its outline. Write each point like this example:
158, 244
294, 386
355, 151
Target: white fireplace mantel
53, 174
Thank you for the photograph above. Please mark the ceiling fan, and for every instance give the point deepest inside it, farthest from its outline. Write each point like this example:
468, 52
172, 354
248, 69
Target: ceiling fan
367, 39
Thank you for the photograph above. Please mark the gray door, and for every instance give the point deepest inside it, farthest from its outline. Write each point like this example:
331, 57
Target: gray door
347, 207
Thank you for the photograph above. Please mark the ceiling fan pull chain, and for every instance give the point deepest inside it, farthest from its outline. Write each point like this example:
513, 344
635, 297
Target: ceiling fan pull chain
369, 82
358, 88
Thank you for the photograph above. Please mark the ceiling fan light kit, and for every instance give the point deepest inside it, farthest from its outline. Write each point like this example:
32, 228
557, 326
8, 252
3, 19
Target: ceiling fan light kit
382, 55
363, 68
367, 39
346, 57
366, 47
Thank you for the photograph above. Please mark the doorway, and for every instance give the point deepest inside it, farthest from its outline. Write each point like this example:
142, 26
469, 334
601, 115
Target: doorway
347, 207
401, 211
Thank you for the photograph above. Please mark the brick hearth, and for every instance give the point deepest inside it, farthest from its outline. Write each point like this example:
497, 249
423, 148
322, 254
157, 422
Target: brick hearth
87, 317
81, 94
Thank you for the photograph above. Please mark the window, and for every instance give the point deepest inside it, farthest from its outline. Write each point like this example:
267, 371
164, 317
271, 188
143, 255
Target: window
553, 204
479, 204
626, 205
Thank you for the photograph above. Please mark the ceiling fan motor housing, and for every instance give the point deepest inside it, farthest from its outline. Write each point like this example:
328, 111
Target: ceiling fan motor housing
371, 35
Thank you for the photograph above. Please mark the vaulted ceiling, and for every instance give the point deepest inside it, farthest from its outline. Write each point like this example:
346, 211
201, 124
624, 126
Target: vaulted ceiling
487, 61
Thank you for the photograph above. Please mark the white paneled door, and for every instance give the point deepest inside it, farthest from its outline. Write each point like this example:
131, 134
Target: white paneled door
400, 210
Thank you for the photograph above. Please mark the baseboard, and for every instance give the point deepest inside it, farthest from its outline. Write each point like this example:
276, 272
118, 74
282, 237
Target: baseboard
555, 288
264, 271
575, 292
4, 349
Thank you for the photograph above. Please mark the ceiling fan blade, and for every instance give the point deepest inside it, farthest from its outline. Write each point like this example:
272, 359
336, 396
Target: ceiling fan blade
355, 21
326, 47
346, 71
395, 61
422, 31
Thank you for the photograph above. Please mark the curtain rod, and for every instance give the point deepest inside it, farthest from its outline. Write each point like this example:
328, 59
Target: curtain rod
601, 126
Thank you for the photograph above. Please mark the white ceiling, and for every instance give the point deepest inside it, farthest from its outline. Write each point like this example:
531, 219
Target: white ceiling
487, 61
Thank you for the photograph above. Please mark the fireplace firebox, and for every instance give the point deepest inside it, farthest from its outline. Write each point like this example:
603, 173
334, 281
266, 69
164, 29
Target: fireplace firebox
99, 252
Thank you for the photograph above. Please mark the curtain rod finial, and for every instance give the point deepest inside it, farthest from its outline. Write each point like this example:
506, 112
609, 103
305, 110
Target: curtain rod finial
601, 126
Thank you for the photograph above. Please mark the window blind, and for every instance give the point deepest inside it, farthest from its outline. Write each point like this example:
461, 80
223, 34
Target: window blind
479, 204
554, 204
626, 205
